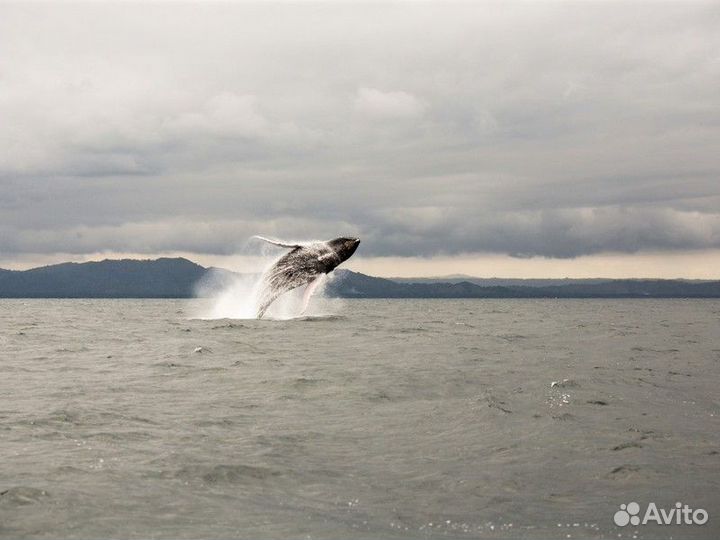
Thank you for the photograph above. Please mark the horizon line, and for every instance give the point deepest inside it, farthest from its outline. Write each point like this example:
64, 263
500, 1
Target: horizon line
458, 276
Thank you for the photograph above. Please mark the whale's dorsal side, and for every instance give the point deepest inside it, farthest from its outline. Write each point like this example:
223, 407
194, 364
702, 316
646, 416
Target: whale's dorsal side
279, 243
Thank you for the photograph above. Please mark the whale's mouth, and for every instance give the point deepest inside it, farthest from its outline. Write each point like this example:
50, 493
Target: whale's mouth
351, 244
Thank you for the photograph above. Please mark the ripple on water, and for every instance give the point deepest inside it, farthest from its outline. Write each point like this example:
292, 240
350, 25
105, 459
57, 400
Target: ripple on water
22, 496
227, 473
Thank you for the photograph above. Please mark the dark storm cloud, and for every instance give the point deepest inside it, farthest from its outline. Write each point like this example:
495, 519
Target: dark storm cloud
555, 129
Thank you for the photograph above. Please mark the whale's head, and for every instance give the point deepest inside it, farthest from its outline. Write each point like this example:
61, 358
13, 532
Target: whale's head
344, 247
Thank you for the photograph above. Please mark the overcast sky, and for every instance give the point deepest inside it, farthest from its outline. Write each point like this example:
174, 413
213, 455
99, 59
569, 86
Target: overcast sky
529, 138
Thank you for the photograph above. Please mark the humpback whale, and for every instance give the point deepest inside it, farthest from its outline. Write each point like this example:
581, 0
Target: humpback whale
304, 264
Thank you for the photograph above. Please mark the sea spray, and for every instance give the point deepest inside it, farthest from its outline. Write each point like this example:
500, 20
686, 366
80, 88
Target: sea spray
230, 296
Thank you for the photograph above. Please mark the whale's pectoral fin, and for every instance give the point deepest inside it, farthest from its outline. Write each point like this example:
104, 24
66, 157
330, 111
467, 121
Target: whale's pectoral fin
277, 242
266, 299
309, 291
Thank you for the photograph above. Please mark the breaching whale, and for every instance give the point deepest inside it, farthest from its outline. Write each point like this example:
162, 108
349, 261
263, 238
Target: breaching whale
305, 264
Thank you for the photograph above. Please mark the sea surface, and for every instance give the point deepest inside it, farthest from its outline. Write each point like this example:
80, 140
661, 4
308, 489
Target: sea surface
383, 419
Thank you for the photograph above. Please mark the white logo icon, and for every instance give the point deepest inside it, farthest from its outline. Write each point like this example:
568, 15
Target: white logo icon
628, 513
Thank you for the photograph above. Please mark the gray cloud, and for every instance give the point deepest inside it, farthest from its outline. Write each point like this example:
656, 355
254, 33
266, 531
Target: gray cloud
524, 128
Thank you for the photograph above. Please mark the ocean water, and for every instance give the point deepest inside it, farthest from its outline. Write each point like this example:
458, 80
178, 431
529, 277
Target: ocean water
384, 419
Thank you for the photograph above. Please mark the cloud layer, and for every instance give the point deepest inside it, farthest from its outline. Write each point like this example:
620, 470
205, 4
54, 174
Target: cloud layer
551, 129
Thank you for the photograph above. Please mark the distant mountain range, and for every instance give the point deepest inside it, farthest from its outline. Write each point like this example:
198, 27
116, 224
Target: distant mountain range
178, 278
499, 282
160, 278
